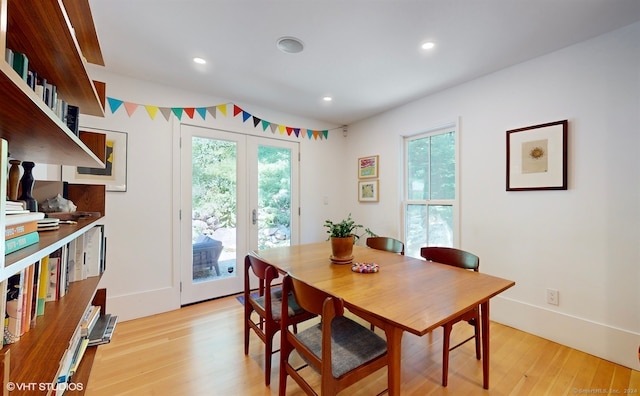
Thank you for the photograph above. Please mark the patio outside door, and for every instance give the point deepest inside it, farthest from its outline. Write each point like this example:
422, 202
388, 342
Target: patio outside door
238, 193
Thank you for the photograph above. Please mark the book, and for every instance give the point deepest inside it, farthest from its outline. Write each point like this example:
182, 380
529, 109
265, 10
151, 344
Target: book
93, 251
27, 300
16, 230
73, 119
42, 287
14, 244
15, 295
103, 330
20, 64
12, 219
87, 324
52, 284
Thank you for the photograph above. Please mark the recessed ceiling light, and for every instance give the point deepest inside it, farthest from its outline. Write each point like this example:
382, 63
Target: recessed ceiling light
327, 98
428, 45
199, 61
290, 45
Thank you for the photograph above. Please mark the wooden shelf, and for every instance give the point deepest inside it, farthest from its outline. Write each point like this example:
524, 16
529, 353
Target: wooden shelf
49, 242
35, 358
43, 32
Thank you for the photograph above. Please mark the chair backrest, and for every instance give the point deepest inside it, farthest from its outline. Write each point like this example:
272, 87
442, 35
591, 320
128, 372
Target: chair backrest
339, 348
386, 243
451, 256
320, 303
265, 273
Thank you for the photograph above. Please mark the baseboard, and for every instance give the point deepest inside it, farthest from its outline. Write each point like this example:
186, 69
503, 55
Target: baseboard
598, 339
147, 303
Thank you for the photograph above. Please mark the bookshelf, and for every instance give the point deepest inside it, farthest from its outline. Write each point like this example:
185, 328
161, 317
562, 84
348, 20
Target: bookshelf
58, 38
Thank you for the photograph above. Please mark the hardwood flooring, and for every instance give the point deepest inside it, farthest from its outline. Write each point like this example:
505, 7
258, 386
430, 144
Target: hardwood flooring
198, 350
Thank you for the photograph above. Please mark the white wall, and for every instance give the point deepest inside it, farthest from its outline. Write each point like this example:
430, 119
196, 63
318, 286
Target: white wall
584, 242
142, 277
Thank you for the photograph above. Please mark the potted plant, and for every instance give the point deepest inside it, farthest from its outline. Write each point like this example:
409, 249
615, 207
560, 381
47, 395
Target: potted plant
343, 236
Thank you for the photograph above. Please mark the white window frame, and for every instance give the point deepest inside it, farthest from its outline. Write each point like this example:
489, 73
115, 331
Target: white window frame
455, 203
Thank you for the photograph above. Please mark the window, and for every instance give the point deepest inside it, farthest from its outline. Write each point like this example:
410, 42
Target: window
430, 185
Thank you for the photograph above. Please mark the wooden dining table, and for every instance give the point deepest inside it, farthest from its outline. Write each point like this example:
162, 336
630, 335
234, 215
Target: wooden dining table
406, 294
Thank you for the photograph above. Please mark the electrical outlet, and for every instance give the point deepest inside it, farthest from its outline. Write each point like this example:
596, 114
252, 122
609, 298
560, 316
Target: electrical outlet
553, 297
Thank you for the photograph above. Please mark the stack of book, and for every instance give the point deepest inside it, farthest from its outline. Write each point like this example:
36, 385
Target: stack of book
44, 90
103, 330
21, 230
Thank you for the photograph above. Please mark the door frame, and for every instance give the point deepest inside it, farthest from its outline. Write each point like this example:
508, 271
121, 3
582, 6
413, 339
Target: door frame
177, 254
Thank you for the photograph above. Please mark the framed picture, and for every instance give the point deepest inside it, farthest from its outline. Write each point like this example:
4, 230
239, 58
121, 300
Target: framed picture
368, 167
368, 191
537, 157
114, 175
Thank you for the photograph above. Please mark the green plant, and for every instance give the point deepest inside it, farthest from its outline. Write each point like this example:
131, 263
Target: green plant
346, 228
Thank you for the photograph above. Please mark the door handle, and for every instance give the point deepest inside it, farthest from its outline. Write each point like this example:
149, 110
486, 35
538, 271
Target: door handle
254, 217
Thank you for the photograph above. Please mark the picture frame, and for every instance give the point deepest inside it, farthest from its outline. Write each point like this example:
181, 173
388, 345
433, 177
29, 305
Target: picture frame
537, 157
368, 191
114, 175
368, 167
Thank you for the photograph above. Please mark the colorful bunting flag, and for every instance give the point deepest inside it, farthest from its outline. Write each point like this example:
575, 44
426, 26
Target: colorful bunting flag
152, 111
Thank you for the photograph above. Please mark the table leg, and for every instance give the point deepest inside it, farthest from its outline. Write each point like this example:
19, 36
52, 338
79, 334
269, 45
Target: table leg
394, 349
484, 332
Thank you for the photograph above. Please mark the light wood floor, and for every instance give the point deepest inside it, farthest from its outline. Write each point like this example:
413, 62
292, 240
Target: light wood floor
198, 350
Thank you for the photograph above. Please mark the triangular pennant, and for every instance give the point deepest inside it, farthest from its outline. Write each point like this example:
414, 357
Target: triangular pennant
256, 121
282, 129
189, 111
166, 112
315, 135
296, 131
236, 110
223, 109
212, 111
152, 111
202, 111
274, 128
289, 130
245, 116
114, 104
265, 125
326, 134
177, 111
309, 133
130, 107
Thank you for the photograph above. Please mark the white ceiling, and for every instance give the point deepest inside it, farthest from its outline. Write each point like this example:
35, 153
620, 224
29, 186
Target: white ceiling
364, 53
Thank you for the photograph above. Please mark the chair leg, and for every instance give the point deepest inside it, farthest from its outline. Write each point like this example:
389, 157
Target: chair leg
247, 316
445, 353
476, 326
268, 351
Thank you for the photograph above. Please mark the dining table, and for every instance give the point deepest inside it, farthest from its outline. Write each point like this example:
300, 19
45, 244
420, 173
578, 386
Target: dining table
407, 294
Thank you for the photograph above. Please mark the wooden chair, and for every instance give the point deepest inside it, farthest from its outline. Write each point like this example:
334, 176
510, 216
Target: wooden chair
386, 243
466, 260
268, 307
340, 349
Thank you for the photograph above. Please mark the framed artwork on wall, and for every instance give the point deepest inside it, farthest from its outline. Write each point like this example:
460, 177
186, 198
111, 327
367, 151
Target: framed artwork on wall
537, 157
368, 167
114, 175
368, 191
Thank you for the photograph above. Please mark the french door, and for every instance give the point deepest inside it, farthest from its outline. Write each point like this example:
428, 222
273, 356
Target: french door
238, 193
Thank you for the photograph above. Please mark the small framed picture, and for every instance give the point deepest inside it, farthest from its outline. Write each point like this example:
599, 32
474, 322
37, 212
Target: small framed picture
368, 191
114, 174
368, 167
537, 157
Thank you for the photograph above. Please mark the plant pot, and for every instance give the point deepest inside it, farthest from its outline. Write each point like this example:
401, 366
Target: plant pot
342, 249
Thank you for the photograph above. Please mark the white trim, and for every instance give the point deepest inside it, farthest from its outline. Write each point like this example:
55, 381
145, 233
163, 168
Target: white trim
598, 339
